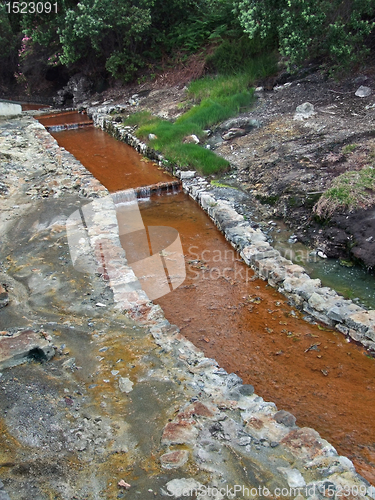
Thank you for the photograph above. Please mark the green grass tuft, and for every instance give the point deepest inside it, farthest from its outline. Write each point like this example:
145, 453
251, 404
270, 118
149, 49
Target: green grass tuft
350, 190
140, 118
216, 100
349, 148
195, 157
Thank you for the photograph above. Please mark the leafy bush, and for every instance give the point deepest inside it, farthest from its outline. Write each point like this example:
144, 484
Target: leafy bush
214, 20
8, 46
122, 36
310, 28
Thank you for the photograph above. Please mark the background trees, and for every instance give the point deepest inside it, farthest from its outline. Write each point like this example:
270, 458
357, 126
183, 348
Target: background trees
331, 29
119, 38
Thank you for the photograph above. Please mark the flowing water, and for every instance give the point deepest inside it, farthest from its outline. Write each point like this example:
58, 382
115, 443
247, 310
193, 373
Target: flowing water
30, 106
115, 164
246, 325
352, 282
65, 121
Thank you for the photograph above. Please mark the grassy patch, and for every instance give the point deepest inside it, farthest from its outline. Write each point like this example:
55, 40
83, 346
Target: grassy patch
349, 148
140, 118
215, 110
216, 183
211, 101
350, 190
240, 53
196, 157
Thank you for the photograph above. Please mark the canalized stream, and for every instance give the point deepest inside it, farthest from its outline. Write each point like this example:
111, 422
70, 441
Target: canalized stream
247, 326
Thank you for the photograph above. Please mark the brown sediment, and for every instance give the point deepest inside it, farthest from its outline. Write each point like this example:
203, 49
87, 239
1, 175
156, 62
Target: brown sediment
115, 164
249, 329
29, 106
62, 118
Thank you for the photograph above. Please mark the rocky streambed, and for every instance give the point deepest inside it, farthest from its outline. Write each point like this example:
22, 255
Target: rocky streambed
113, 402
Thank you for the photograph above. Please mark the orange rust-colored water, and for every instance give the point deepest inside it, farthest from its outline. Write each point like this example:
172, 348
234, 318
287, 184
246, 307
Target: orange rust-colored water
29, 106
247, 326
62, 118
249, 329
115, 164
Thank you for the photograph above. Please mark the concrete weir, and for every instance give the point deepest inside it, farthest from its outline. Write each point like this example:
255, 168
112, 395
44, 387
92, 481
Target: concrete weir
214, 438
9, 109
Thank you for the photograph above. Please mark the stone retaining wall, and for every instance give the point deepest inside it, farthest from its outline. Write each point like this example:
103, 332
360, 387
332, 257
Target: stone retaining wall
321, 303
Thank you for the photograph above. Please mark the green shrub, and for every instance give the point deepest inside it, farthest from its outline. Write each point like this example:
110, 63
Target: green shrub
334, 29
216, 19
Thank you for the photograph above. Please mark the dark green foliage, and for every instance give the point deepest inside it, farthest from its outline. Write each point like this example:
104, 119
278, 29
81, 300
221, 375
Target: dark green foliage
9, 42
213, 21
330, 29
120, 37
234, 55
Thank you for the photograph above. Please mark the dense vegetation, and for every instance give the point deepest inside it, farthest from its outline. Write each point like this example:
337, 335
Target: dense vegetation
122, 39
330, 30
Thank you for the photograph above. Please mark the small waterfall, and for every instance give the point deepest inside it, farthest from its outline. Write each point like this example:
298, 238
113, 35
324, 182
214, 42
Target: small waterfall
68, 126
145, 192
124, 197
160, 188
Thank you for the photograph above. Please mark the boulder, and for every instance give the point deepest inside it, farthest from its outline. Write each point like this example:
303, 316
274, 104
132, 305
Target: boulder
241, 122
188, 174
234, 132
77, 90
191, 139
363, 91
24, 346
304, 111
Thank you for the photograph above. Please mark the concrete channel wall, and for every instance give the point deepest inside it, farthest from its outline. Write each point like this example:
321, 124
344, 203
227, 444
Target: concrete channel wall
321, 303
10, 109
233, 429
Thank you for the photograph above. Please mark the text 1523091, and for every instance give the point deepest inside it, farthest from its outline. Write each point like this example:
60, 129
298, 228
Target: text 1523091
31, 7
